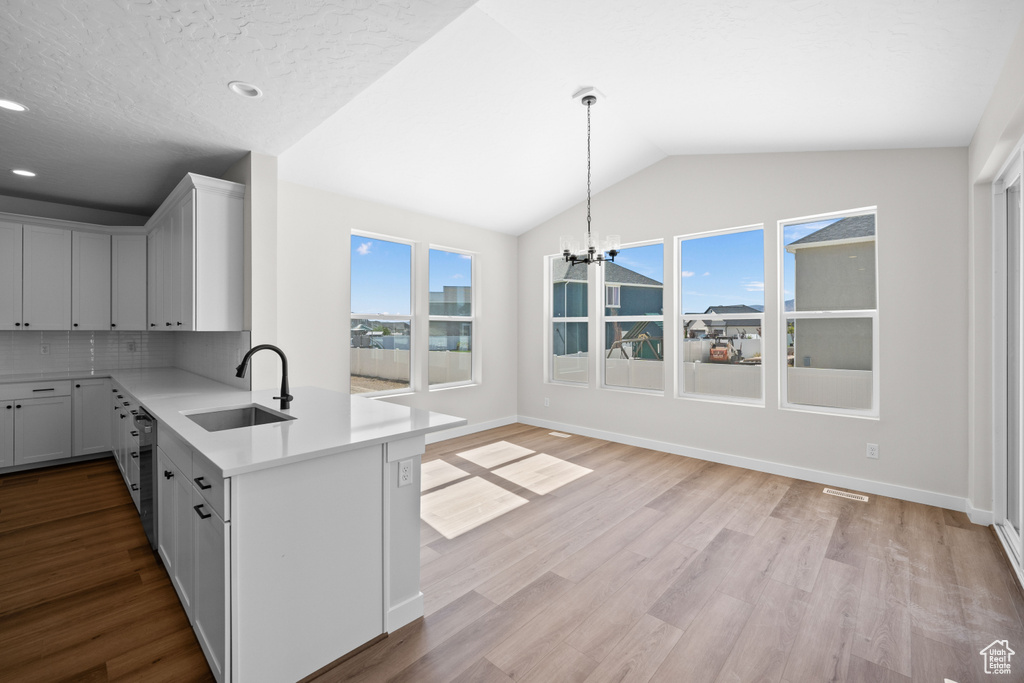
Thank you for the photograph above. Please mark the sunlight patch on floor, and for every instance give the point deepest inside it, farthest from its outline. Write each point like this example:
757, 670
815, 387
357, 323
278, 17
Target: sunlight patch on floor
493, 454
438, 472
542, 473
458, 508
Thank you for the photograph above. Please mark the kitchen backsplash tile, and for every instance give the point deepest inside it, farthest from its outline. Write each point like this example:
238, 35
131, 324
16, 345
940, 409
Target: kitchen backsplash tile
211, 354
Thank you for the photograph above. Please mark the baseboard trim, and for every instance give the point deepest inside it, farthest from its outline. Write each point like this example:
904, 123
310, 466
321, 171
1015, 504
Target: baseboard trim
942, 500
472, 428
405, 612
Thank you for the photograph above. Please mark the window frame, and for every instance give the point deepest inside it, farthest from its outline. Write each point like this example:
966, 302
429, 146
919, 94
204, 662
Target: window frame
784, 316
411, 317
617, 289
475, 365
603, 320
682, 318
549, 322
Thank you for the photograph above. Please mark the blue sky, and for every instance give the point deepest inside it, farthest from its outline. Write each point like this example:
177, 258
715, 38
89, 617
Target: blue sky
722, 270
381, 271
648, 260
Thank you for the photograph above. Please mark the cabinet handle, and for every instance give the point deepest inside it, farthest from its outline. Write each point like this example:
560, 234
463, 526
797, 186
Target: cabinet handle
179, 324
26, 324
122, 414
201, 485
200, 513
18, 406
127, 403
168, 474
113, 324
38, 390
152, 324
120, 396
9, 407
114, 390
17, 324
134, 454
135, 487
74, 324
134, 433
78, 386
167, 324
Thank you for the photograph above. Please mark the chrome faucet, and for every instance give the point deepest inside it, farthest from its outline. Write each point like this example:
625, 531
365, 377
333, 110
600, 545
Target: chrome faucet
285, 397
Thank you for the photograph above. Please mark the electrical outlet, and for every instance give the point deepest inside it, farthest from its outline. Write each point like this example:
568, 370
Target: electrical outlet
131, 347
547, 402
404, 472
44, 349
873, 451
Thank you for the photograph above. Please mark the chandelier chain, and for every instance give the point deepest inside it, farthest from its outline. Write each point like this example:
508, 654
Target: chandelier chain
588, 171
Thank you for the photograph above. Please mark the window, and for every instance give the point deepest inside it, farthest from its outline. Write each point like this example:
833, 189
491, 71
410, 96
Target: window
721, 323
829, 313
611, 296
450, 355
381, 303
633, 330
569, 329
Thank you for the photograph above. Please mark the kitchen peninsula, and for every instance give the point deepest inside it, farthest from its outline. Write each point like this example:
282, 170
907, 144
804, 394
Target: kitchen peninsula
290, 543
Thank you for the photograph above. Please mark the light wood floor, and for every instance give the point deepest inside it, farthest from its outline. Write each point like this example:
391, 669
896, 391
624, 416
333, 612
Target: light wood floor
652, 567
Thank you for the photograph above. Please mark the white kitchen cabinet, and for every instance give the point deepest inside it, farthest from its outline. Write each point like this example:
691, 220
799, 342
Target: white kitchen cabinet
90, 281
91, 422
175, 531
46, 278
6, 433
10, 276
42, 429
128, 295
211, 607
196, 257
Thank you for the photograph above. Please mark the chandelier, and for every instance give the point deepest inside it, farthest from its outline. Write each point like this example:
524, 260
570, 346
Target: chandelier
593, 249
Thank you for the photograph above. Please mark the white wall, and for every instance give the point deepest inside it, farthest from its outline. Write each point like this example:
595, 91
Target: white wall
314, 228
1000, 128
922, 262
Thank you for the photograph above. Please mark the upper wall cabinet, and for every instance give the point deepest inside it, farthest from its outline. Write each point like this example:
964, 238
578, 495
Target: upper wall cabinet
128, 282
10, 276
46, 279
196, 257
90, 281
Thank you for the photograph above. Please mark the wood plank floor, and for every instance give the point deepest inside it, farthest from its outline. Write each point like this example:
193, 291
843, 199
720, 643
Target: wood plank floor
652, 567
82, 596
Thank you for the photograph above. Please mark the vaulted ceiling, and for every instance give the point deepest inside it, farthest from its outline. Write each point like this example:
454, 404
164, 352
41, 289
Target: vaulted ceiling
464, 110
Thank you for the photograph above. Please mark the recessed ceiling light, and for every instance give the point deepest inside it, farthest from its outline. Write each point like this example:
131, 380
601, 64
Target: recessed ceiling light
21, 171
13, 106
245, 89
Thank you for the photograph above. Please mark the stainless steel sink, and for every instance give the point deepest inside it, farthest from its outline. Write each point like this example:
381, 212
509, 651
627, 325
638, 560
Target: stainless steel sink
236, 418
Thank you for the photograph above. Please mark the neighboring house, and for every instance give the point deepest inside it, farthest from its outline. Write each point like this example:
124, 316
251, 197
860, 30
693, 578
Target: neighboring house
380, 334
627, 292
451, 300
735, 329
835, 271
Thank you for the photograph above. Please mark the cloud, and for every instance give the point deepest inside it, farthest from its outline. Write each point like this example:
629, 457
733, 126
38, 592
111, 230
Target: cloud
466, 256
364, 248
687, 273
706, 274
457, 276
754, 286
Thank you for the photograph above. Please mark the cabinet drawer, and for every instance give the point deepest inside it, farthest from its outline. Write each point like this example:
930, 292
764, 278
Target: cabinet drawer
211, 485
176, 450
9, 392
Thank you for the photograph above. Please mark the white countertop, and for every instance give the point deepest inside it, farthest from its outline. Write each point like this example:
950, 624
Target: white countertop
325, 421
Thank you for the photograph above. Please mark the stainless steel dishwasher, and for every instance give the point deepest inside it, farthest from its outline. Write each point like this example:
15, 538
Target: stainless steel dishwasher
146, 425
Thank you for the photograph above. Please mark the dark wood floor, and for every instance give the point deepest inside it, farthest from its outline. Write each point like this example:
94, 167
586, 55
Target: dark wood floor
652, 567
82, 596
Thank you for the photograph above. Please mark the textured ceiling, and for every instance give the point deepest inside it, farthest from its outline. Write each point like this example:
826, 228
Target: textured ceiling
478, 126
126, 96
464, 111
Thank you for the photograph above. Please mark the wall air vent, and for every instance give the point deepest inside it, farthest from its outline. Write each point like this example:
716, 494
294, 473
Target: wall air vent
846, 494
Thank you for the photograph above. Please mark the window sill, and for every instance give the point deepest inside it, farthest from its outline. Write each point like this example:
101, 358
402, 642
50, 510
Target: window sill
725, 400
452, 385
832, 412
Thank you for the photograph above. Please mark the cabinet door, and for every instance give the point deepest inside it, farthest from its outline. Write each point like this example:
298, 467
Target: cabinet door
128, 282
185, 272
90, 281
154, 273
46, 278
165, 516
170, 247
10, 276
91, 423
183, 543
42, 429
6, 433
211, 596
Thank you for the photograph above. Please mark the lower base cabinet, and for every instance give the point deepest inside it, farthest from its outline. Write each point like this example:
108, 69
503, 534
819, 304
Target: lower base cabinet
209, 615
42, 429
175, 529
